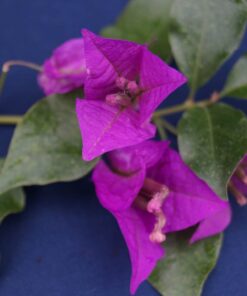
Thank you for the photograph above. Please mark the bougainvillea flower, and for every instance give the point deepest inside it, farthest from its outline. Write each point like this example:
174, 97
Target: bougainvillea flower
124, 85
65, 70
150, 191
238, 183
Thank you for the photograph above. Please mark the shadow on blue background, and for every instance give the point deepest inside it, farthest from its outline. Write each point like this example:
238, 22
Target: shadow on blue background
65, 243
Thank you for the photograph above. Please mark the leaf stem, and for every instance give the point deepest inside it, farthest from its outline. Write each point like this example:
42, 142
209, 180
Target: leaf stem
7, 65
170, 110
167, 125
159, 124
182, 107
191, 97
2, 80
9, 120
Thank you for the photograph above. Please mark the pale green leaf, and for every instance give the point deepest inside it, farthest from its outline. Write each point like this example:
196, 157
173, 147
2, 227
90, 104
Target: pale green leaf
236, 84
212, 140
46, 146
203, 34
185, 267
13, 201
145, 22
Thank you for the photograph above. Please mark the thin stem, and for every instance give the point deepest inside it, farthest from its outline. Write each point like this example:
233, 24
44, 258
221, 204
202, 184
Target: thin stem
191, 98
171, 110
167, 125
181, 107
9, 120
161, 130
2, 80
7, 65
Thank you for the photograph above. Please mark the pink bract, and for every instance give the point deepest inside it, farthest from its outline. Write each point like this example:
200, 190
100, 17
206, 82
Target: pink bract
124, 85
130, 186
65, 70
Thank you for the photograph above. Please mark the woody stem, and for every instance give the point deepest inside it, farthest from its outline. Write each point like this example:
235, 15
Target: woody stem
215, 97
7, 120
181, 107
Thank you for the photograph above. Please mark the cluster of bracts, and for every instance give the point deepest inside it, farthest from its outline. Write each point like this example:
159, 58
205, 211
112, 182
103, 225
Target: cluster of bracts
144, 183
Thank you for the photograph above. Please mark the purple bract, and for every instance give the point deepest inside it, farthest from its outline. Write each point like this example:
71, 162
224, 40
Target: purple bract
124, 85
65, 70
151, 191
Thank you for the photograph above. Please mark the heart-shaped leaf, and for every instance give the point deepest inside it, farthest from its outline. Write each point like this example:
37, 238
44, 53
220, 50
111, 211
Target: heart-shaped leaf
212, 141
236, 84
144, 21
46, 146
185, 268
204, 33
12, 201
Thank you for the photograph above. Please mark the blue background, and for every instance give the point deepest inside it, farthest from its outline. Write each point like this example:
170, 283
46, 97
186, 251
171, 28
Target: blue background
65, 243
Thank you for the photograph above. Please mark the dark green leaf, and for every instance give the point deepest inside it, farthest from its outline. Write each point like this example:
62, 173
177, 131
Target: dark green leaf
46, 146
236, 84
203, 34
144, 21
185, 268
212, 141
12, 201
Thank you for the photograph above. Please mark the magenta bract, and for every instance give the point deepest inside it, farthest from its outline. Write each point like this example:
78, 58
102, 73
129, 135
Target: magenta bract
151, 191
65, 70
124, 85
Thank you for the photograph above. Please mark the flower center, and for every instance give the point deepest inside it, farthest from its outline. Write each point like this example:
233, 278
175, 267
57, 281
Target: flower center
151, 198
127, 95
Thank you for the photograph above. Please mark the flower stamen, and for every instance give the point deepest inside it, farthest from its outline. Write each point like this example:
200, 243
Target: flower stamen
118, 100
154, 206
157, 236
240, 197
151, 199
128, 92
241, 175
133, 88
121, 82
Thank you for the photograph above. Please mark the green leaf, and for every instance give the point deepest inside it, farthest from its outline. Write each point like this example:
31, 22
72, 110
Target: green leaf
144, 21
46, 146
236, 84
185, 268
212, 141
12, 201
203, 34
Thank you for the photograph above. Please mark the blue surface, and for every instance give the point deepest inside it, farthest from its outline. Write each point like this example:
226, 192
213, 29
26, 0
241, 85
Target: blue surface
64, 243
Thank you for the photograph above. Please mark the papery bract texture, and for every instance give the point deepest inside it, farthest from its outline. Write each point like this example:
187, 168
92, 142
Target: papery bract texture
127, 79
105, 127
130, 185
191, 200
65, 70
